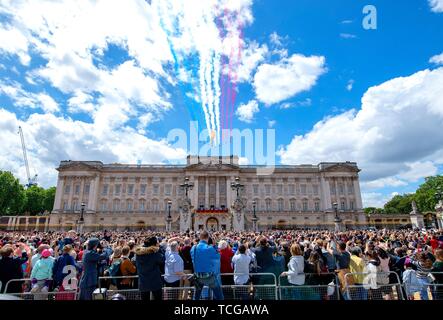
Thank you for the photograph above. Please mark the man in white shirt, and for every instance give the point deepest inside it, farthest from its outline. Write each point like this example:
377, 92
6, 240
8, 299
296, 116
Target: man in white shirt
240, 263
174, 269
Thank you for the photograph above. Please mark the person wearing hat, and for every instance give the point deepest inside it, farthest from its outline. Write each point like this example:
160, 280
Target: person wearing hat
89, 278
41, 273
149, 262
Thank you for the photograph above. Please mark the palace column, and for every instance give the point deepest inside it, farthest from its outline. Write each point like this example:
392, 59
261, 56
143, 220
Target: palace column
326, 192
93, 194
217, 193
59, 194
357, 192
207, 192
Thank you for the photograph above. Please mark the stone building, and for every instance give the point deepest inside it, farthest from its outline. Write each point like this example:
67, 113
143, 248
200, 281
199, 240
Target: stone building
136, 197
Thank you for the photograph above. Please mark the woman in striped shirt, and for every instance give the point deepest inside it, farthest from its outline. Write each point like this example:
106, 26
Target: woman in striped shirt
424, 267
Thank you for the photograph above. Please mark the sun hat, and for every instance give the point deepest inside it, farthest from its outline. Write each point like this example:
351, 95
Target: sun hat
46, 253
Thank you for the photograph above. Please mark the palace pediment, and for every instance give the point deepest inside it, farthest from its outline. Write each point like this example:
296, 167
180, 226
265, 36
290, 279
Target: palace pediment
212, 167
80, 166
340, 167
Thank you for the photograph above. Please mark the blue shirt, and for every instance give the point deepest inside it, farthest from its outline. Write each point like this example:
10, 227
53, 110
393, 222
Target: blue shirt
173, 264
203, 257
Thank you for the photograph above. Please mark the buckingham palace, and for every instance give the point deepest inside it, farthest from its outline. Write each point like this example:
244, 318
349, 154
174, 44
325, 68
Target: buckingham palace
213, 193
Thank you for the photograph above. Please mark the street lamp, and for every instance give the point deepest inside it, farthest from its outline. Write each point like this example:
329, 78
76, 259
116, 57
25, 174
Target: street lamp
439, 208
169, 209
254, 204
82, 211
237, 186
187, 186
337, 219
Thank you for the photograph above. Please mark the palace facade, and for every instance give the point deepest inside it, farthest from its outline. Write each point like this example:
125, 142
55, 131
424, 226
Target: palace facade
137, 197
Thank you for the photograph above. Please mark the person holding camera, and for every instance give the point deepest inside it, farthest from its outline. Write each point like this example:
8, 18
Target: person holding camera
91, 259
203, 258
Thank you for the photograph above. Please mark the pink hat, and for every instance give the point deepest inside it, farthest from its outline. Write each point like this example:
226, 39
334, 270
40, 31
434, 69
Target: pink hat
46, 253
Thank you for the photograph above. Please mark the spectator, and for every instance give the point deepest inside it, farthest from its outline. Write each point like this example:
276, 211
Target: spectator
240, 264
41, 274
410, 280
424, 267
295, 273
149, 262
91, 258
226, 255
11, 268
59, 271
203, 258
357, 266
127, 268
174, 267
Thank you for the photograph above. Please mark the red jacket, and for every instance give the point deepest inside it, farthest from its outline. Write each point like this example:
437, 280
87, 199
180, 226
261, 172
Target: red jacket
225, 260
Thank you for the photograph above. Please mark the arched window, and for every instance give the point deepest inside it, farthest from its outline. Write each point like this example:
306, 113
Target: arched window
268, 204
103, 205
142, 205
281, 205
155, 205
116, 205
129, 205
293, 204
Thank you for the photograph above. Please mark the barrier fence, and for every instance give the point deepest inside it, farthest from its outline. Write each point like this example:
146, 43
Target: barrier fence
373, 286
260, 286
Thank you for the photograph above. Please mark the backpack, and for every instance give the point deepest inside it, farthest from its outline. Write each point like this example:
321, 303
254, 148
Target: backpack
114, 271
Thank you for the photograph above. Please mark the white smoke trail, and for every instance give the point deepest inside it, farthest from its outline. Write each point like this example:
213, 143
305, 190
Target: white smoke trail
216, 84
204, 100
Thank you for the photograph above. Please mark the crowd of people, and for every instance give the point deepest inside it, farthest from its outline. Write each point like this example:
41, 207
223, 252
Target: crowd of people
149, 261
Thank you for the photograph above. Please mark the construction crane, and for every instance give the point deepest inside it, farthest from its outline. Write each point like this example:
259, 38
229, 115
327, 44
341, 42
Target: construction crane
31, 181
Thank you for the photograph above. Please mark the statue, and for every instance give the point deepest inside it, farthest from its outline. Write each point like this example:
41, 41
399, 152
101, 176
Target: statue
414, 208
238, 207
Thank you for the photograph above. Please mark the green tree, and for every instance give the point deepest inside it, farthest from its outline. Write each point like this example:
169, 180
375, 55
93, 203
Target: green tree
400, 204
35, 200
11, 194
425, 194
48, 202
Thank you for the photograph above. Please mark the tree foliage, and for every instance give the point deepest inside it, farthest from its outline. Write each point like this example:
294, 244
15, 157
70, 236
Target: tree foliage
16, 200
424, 198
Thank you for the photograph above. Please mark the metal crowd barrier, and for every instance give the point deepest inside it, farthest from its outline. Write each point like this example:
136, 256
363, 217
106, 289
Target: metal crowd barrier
323, 286
260, 286
431, 291
373, 286
27, 293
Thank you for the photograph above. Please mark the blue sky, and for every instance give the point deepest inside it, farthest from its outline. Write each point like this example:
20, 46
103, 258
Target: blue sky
103, 81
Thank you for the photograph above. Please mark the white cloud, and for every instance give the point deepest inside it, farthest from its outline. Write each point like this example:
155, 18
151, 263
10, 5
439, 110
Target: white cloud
396, 134
245, 112
418, 170
383, 183
436, 5
251, 57
375, 199
437, 59
50, 139
289, 105
23, 98
274, 83
350, 85
12, 41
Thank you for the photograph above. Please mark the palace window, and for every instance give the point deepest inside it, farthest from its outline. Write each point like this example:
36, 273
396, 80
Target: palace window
65, 206
343, 205
317, 206
268, 204
351, 205
86, 190
117, 188
155, 189
341, 188
305, 206
280, 205
292, 189
315, 189
105, 190
75, 205
143, 189
279, 189
116, 205
268, 189
350, 188
293, 205
155, 205
303, 189
129, 205
255, 187
130, 188
103, 205
77, 189
67, 189
142, 205
168, 189
332, 187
